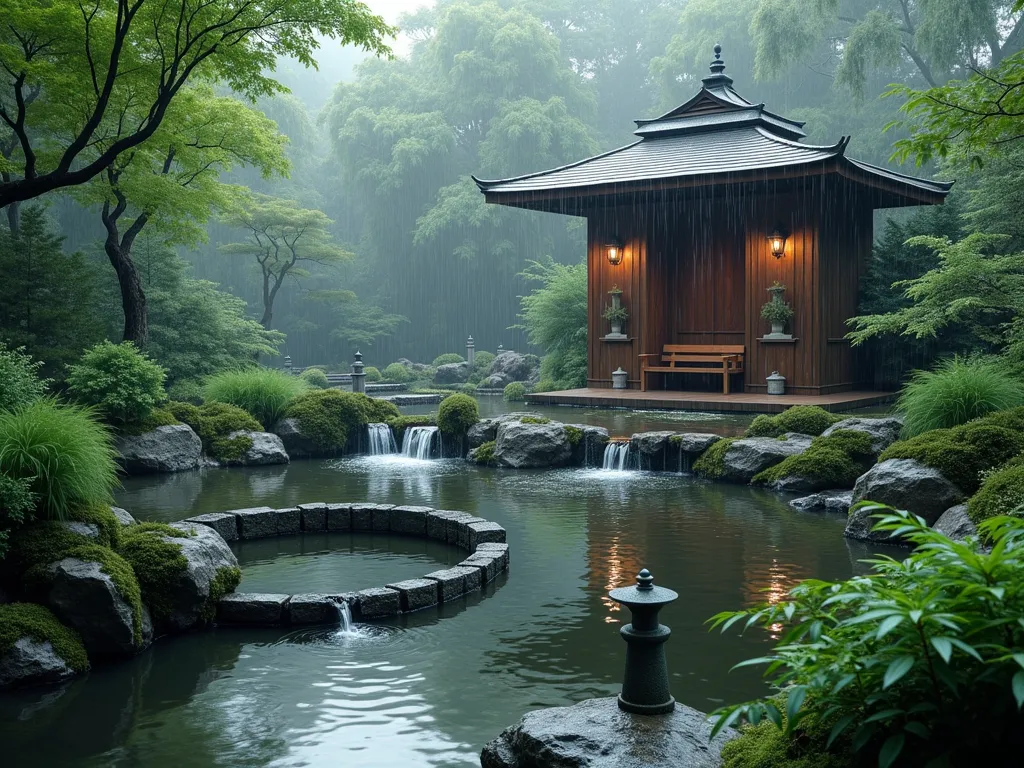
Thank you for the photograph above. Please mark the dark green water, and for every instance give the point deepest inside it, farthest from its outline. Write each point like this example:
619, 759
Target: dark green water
430, 689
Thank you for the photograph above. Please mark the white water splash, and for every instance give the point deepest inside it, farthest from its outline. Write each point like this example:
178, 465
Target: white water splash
418, 442
382, 441
617, 457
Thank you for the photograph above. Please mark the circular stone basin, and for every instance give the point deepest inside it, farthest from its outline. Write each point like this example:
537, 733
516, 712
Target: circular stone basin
333, 563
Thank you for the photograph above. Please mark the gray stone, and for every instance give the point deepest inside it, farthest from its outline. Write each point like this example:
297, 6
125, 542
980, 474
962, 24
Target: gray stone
695, 442
32, 662
313, 609
451, 582
488, 565
492, 549
484, 532
825, 501
362, 517
589, 451
908, 484
174, 448
378, 602
123, 516
745, 458
205, 553
859, 525
460, 528
451, 373
511, 366
415, 594
85, 599
314, 516
884, 431
339, 517
955, 524
296, 443
255, 522
224, 523
289, 521
597, 734
799, 439
90, 531
409, 521
437, 523
381, 517
486, 430
253, 608
521, 445
266, 448
650, 443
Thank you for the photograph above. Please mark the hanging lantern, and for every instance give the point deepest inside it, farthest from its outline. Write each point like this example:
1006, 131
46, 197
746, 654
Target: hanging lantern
777, 242
613, 249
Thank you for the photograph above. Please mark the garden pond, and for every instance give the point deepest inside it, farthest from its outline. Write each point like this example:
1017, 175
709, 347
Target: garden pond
430, 688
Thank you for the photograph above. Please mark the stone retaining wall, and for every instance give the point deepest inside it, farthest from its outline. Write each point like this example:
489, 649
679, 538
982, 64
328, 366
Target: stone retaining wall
483, 539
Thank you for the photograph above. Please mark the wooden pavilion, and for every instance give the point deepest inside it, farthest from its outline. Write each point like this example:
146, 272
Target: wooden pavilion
714, 203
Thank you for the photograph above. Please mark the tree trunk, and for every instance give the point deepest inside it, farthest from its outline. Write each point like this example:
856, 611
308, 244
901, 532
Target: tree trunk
14, 218
133, 298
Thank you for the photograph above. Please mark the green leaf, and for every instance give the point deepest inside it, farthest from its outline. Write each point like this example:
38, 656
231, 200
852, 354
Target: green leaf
841, 725
888, 625
794, 700
891, 750
1018, 688
944, 647
918, 729
896, 670
773, 714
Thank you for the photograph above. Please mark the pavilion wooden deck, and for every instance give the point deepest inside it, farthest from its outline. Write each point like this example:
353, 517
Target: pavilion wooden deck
707, 401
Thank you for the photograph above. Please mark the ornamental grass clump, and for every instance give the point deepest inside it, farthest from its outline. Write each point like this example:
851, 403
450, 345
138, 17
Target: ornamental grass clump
920, 662
119, 380
264, 393
63, 451
959, 390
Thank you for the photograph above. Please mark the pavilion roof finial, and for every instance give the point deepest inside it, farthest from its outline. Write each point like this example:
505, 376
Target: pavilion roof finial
718, 78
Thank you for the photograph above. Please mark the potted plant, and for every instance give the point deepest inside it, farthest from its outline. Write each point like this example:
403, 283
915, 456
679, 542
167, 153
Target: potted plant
777, 312
615, 313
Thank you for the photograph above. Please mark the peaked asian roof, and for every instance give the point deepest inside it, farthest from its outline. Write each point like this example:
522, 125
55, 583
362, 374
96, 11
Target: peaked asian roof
716, 133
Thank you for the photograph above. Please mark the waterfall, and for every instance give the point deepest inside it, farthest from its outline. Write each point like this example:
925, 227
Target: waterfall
418, 442
616, 457
344, 616
382, 442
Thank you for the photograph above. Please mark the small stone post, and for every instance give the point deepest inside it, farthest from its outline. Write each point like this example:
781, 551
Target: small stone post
287, 363
470, 351
358, 377
645, 688
501, 348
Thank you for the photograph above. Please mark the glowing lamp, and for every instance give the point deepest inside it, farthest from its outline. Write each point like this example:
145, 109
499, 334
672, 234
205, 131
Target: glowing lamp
613, 249
777, 242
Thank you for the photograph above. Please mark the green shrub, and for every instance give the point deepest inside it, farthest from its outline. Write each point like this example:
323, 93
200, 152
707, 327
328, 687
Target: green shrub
482, 362
65, 452
373, 375
711, 463
763, 426
119, 380
158, 417
919, 662
264, 393
962, 453
399, 424
186, 391
213, 422
469, 388
18, 620
1002, 493
158, 563
456, 414
396, 373
330, 417
805, 419
17, 503
315, 378
447, 359
835, 461
1012, 418
956, 392
483, 455
515, 392
20, 376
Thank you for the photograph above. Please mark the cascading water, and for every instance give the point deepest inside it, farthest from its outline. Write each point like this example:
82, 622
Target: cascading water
382, 441
616, 457
344, 617
418, 442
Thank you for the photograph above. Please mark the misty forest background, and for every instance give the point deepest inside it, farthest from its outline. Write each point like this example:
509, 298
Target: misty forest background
370, 159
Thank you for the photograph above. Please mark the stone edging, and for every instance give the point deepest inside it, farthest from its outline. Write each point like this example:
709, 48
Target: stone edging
483, 539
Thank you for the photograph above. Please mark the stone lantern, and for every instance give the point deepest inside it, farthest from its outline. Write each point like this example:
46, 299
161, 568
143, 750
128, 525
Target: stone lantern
358, 377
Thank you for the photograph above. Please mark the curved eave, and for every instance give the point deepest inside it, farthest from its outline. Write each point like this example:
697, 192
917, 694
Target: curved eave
486, 185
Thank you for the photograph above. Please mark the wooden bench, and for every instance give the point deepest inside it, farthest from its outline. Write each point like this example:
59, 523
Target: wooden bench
724, 359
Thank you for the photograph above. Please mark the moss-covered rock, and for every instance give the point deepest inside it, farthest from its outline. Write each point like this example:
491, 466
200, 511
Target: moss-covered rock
805, 419
330, 418
765, 745
574, 433
962, 453
1002, 493
213, 422
157, 563
711, 464
835, 461
484, 455
224, 582
28, 620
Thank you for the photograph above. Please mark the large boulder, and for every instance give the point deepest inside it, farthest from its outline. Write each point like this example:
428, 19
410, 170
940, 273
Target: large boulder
451, 373
588, 444
859, 526
266, 448
86, 599
520, 445
206, 553
511, 366
32, 662
884, 431
955, 524
486, 430
297, 443
174, 448
908, 484
597, 734
745, 458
